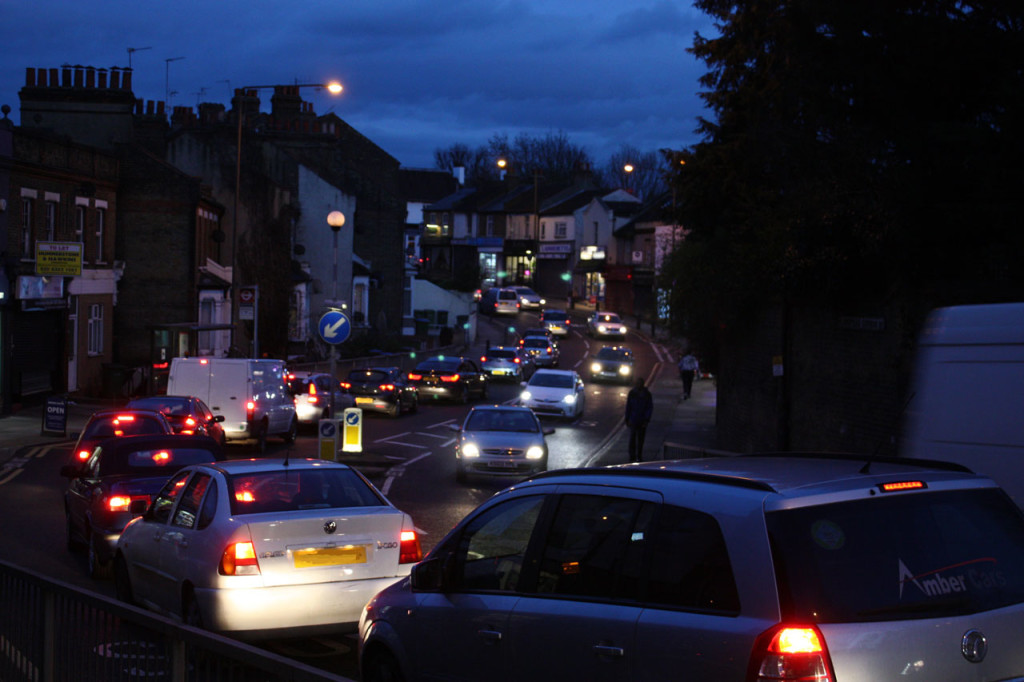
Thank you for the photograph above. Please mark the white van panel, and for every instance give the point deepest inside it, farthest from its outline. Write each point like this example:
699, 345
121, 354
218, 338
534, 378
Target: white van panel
967, 398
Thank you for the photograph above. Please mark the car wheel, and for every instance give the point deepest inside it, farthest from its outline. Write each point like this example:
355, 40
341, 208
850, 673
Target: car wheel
98, 570
190, 613
293, 431
122, 581
381, 666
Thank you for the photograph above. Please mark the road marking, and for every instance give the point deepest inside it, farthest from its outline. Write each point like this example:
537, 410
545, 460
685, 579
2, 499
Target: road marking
395, 472
7, 478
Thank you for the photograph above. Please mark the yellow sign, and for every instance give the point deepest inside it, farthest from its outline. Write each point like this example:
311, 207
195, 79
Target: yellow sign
59, 258
352, 430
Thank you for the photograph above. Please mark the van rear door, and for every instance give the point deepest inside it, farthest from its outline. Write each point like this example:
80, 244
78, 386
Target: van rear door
229, 390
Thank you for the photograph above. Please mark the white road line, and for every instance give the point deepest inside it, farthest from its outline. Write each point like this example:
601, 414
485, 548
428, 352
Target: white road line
431, 435
8, 477
395, 435
418, 446
399, 470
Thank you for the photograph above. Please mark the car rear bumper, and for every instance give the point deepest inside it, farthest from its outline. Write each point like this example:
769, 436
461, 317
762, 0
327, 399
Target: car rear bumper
269, 611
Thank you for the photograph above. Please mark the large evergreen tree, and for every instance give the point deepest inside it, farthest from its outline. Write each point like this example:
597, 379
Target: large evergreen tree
858, 150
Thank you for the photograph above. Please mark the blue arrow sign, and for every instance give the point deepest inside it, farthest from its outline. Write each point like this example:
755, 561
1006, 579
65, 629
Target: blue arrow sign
334, 327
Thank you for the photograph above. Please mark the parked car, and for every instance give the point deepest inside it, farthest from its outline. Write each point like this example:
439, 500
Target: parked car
529, 299
381, 389
499, 301
507, 362
604, 324
612, 363
733, 568
501, 440
120, 471
543, 352
111, 423
554, 392
265, 547
557, 322
449, 378
187, 414
311, 393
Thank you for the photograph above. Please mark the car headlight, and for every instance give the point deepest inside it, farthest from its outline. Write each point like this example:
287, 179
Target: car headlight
470, 450
596, 367
601, 328
534, 452
543, 302
525, 396
571, 399
625, 369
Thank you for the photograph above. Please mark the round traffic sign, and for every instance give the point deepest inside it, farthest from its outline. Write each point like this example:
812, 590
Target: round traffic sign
334, 327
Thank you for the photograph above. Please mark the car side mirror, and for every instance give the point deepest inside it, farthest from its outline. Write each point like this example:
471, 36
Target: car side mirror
70, 471
430, 574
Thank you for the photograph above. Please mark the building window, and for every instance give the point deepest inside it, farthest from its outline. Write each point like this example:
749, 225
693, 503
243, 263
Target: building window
79, 223
27, 241
490, 226
96, 329
561, 230
543, 230
101, 221
51, 220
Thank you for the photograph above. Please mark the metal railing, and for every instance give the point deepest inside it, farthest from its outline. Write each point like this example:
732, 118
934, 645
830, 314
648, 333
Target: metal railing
51, 632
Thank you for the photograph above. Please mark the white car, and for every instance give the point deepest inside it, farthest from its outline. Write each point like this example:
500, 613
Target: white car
264, 547
607, 325
529, 299
554, 392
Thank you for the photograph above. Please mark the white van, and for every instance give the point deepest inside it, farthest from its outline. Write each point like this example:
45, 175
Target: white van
967, 397
250, 394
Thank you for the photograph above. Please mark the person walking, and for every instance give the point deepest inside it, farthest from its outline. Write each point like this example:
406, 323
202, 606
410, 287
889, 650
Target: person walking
639, 408
688, 368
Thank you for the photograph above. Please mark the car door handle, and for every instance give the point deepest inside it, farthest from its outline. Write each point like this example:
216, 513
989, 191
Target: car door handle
605, 650
489, 636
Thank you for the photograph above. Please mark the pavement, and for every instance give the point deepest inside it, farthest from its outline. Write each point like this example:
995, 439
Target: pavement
679, 428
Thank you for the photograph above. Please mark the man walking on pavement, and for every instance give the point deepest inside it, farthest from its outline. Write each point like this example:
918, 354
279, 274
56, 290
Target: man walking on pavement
688, 368
639, 408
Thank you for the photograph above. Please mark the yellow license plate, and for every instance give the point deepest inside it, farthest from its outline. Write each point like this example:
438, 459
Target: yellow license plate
329, 556
364, 401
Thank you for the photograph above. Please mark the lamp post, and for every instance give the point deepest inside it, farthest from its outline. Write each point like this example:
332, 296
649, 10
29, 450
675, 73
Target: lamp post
336, 219
334, 88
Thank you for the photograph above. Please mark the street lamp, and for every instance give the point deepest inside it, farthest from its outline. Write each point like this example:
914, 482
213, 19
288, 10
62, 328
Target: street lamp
336, 219
332, 87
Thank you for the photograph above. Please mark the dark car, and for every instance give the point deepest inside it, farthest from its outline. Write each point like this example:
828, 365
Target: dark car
117, 482
557, 322
105, 424
612, 363
381, 389
449, 378
187, 414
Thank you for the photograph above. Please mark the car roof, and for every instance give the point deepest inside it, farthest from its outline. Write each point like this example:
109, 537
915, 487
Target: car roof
795, 475
236, 467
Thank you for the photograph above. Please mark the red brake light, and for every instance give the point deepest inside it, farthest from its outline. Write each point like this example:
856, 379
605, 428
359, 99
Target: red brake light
902, 485
346, 385
516, 360
313, 399
239, 558
312, 389
204, 361
189, 422
415, 377
795, 653
118, 503
483, 358
83, 455
410, 551
449, 378
250, 407
245, 496
162, 457
387, 387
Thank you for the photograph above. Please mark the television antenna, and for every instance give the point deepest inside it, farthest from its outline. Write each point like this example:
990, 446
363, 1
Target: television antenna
135, 49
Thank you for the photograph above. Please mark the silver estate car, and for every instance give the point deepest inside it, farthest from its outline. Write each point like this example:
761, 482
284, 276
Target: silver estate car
264, 547
747, 568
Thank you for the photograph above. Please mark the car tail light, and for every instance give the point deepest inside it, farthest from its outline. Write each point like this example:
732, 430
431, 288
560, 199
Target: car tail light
122, 503
449, 378
245, 496
516, 360
345, 385
410, 551
413, 376
313, 400
83, 455
250, 409
312, 389
239, 558
387, 387
790, 652
483, 358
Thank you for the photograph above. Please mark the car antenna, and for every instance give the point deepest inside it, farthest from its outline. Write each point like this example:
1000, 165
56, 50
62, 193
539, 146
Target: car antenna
899, 418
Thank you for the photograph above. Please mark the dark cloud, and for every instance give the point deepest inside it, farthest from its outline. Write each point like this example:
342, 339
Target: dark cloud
418, 75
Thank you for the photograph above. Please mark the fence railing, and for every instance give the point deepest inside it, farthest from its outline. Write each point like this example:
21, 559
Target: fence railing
54, 632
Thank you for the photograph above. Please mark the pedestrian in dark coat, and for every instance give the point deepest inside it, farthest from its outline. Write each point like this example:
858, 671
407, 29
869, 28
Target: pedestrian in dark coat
639, 408
688, 368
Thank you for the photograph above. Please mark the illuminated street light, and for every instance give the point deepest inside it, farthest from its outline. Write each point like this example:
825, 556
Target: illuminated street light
333, 87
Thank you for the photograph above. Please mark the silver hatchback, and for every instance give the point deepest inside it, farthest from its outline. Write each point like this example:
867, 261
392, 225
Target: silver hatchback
753, 568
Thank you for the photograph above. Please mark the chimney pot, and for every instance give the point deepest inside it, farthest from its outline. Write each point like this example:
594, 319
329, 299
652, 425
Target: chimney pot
115, 78
103, 79
126, 80
66, 76
30, 77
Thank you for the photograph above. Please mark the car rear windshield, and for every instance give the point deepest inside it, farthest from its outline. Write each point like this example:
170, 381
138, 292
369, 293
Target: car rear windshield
507, 295
908, 556
439, 365
536, 343
369, 376
290, 490
124, 425
298, 386
502, 354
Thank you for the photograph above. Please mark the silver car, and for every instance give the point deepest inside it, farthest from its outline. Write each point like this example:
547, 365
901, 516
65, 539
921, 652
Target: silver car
500, 440
264, 547
529, 299
554, 393
750, 568
606, 325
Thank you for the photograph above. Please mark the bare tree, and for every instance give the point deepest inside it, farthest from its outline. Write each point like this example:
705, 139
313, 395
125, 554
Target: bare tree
645, 177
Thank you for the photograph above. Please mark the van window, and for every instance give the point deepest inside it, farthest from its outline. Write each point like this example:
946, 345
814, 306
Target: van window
507, 295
